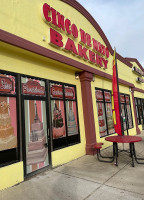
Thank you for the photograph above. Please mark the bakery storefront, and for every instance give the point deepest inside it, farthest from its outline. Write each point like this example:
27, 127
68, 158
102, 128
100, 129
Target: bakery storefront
55, 87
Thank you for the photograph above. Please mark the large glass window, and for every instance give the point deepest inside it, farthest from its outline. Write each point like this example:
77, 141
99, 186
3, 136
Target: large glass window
104, 107
126, 111
140, 110
64, 116
9, 151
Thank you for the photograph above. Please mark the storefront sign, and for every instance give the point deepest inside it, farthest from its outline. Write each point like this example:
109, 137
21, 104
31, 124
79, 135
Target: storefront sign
138, 71
88, 48
32, 87
140, 80
57, 92
6, 85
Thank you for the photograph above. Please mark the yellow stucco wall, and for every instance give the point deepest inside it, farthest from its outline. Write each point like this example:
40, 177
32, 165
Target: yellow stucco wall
11, 175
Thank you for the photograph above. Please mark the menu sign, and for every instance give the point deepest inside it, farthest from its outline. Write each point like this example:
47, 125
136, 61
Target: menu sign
33, 87
6, 85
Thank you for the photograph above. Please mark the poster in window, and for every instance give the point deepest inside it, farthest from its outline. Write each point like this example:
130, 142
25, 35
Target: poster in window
8, 123
109, 118
36, 135
71, 113
129, 116
58, 119
101, 119
124, 117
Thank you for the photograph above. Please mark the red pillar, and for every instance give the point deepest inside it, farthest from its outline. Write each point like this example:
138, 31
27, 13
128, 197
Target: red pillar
135, 115
86, 78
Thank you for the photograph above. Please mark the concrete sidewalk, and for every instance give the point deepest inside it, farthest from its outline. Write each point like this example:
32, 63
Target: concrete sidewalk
85, 179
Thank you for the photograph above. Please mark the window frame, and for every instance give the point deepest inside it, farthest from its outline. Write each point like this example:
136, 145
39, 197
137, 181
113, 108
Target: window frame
104, 102
69, 140
12, 156
126, 112
137, 109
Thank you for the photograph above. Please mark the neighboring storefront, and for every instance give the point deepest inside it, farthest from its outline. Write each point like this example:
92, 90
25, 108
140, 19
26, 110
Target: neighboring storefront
55, 87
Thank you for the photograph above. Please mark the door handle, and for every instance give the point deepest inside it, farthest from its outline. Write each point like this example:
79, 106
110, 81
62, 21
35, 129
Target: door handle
46, 145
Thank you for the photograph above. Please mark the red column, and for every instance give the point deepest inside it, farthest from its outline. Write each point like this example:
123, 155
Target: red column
86, 78
135, 115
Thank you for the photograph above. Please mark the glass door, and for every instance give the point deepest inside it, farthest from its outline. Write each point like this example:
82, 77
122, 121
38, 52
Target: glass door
35, 125
36, 135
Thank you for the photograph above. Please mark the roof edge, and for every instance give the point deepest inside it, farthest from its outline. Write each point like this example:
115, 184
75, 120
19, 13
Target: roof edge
136, 61
76, 5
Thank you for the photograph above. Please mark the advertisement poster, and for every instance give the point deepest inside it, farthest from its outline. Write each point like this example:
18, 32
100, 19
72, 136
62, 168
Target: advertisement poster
58, 119
36, 135
124, 117
8, 123
129, 116
109, 118
101, 119
72, 124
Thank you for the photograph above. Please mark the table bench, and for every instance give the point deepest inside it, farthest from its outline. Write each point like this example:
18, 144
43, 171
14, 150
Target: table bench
131, 140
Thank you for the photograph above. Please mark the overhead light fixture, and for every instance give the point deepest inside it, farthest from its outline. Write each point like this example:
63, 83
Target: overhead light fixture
93, 79
76, 76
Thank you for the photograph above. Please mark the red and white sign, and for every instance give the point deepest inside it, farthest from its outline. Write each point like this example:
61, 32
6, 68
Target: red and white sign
32, 87
127, 99
122, 99
107, 96
99, 95
6, 85
57, 92
69, 93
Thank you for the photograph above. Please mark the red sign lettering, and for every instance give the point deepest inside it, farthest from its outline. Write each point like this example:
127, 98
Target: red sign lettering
56, 38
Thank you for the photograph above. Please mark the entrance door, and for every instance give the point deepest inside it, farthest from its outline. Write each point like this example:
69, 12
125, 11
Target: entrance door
35, 125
